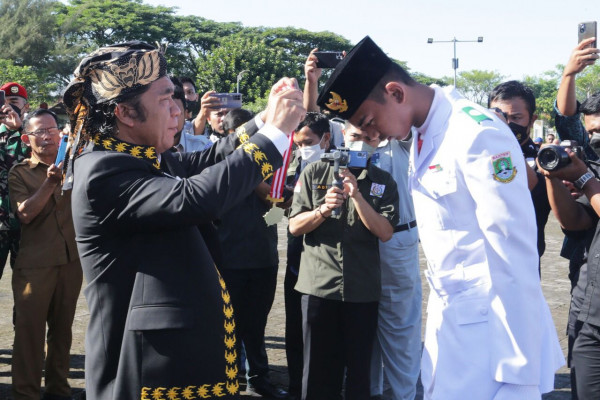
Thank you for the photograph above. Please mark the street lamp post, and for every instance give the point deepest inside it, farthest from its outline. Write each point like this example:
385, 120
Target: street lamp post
455, 59
238, 79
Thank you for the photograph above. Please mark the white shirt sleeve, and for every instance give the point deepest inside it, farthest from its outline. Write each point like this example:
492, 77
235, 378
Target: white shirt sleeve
279, 139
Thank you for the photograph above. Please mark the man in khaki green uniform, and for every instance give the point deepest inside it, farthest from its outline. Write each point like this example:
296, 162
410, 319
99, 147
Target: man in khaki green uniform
339, 269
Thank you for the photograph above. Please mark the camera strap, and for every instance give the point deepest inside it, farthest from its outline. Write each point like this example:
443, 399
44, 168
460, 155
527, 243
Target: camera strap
275, 214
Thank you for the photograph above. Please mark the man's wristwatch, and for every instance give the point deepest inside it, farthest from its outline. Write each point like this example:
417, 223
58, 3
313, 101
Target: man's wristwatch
583, 179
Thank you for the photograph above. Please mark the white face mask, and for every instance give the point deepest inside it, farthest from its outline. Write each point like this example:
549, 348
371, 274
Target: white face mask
359, 145
311, 153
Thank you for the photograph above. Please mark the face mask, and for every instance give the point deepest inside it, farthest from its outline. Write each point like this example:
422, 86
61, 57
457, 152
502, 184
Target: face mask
519, 131
193, 106
311, 153
361, 146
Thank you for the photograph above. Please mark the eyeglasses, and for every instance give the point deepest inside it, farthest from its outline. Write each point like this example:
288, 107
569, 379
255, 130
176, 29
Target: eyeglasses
44, 131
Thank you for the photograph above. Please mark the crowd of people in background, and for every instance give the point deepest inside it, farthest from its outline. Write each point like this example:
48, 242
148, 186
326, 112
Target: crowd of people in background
161, 204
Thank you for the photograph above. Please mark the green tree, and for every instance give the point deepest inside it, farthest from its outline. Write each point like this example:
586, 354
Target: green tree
196, 37
477, 84
297, 44
544, 88
27, 29
265, 64
37, 90
102, 22
429, 80
588, 82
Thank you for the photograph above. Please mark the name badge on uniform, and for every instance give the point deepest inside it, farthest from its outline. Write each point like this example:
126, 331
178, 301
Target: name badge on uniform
377, 190
320, 186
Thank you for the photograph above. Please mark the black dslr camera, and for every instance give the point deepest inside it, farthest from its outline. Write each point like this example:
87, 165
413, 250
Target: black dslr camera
344, 158
553, 157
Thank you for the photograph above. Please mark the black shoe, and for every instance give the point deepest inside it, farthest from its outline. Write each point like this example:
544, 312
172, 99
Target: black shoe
267, 390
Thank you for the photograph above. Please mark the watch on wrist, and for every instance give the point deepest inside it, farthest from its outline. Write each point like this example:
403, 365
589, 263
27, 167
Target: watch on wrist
583, 179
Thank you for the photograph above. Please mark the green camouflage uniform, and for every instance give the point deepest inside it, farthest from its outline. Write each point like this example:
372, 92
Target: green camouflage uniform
12, 152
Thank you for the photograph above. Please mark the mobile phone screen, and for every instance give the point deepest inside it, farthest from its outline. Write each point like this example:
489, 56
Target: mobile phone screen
62, 150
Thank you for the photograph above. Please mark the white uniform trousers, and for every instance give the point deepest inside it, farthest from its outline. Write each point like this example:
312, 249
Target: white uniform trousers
459, 322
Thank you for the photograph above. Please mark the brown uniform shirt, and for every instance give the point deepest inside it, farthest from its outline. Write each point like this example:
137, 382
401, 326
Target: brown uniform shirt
49, 239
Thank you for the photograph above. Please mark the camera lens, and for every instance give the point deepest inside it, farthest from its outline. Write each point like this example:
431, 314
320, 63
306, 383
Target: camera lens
553, 157
581, 28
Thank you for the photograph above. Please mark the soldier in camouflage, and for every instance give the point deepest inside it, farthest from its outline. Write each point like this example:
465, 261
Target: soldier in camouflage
12, 152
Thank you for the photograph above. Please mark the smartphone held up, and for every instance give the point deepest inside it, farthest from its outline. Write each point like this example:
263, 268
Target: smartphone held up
328, 59
586, 30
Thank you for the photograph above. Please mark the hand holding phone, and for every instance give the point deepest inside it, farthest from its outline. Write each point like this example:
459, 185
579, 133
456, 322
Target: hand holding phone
229, 100
62, 149
328, 59
587, 30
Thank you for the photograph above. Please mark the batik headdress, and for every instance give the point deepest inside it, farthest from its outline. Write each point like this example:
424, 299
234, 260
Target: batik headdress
109, 74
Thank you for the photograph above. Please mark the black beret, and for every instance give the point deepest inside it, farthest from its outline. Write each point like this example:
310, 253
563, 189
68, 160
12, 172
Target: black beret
354, 78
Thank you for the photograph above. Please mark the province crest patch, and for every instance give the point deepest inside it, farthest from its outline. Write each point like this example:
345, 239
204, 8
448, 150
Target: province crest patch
504, 170
377, 190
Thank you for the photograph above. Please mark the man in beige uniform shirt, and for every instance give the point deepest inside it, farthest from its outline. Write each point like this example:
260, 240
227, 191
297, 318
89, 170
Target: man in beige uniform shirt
47, 275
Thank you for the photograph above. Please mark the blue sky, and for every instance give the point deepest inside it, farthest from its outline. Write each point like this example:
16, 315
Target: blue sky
521, 37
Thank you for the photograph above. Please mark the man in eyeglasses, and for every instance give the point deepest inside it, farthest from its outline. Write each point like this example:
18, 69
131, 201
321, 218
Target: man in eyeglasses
12, 152
47, 275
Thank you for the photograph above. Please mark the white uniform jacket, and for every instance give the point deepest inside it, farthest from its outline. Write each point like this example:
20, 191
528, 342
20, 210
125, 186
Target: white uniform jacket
478, 231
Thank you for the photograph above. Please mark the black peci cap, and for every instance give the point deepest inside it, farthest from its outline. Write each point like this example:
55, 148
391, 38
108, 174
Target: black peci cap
354, 78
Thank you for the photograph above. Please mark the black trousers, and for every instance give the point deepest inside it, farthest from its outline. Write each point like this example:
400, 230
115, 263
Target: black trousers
252, 293
336, 335
294, 346
586, 357
9, 244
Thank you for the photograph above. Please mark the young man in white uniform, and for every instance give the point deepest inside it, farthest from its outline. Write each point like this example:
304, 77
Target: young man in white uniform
489, 330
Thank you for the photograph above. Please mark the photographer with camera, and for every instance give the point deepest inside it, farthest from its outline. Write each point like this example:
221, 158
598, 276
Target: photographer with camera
581, 215
568, 123
339, 268
211, 112
568, 110
311, 139
311, 92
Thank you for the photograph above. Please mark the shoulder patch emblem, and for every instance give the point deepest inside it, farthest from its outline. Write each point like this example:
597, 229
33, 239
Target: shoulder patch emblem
377, 190
475, 114
504, 170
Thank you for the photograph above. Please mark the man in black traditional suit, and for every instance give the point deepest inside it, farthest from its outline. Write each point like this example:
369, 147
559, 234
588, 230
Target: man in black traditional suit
161, 320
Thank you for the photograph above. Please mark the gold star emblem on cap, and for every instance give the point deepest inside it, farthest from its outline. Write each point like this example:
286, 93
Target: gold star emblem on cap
336, 103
